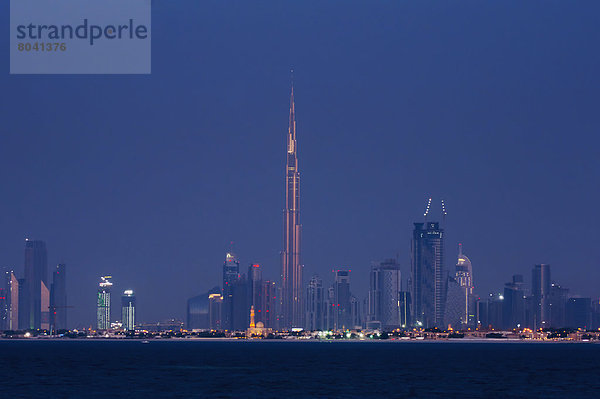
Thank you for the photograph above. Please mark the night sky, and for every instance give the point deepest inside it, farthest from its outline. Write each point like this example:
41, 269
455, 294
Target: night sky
492, 106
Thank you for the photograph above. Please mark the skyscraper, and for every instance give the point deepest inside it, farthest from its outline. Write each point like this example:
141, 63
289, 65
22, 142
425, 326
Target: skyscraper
315, 305
255, 290
58, 298
385, 288
199, 311
513, 312
464, 278
231, 274
291, 273
540, 289
427, 275
215, 303
342, 300
103, 303
128, 310
36, 273
269, 300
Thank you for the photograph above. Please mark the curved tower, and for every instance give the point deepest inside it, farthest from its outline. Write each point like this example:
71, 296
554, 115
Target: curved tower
291, 270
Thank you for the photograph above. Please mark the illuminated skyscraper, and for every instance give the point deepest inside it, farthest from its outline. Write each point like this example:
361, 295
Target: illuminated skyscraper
291, 273
128, 310
36, 273
231, 275
428, 281
464, 278
103, 303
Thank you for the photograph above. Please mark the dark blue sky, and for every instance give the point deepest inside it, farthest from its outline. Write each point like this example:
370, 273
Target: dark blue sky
491, 105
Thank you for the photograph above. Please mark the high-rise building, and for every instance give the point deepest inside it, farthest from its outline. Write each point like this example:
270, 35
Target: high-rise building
514, 304
384, 294
58, 298
464, 278
45, 307
13, 294
291, 270
579, 312
489, 311
255, 290
342, 309
240, 306
231, 274
315, 305
22, 300
540, 290
356, 313
215, 303
36, 273
455, 312
5, 301
198, 310
428, 280
405, 305
269, 300
103, 303
128, 310
558, 305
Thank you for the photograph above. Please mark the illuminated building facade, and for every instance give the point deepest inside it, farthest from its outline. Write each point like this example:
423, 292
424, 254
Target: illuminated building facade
231, 275
215, 303
291, 273
128, 310
103, 303
428, 281
464, 278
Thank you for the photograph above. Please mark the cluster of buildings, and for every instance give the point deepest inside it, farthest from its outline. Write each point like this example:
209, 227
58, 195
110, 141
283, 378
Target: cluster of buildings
34, 301
37, 303
103, 308
430, 297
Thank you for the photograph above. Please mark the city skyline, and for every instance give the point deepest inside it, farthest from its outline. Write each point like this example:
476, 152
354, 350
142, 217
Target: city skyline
149, 179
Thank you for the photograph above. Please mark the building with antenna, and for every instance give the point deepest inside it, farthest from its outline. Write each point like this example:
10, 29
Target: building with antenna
291, 267
428, 280
103, 303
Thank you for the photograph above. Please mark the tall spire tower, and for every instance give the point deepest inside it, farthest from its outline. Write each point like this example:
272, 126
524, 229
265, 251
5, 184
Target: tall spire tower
291, 267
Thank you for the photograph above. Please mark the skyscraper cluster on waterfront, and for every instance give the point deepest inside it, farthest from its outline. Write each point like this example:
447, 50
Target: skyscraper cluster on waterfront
430, 296
34, 302
104, 320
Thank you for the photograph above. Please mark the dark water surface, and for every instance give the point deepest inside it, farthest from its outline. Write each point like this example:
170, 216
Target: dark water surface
130, 369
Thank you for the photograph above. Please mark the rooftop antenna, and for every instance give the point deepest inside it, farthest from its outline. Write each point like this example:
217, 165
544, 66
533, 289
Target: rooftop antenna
427, 209
460, 249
